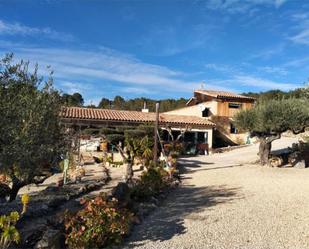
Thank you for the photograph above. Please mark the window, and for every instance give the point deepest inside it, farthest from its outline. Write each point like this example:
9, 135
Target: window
233, 129
188, 137
234, 105
202, 137
206, 113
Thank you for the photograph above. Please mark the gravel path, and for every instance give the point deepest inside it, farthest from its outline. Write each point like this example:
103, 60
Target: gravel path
224, 202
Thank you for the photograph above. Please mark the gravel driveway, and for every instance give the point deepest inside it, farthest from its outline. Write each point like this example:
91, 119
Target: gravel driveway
225, 202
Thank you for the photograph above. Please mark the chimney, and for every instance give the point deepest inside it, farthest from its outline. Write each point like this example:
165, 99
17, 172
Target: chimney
145, 108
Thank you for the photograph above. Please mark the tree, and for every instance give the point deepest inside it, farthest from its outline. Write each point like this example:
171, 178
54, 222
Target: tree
76, 99
104, 103
118, 102
268, 120
138, 144
30, 133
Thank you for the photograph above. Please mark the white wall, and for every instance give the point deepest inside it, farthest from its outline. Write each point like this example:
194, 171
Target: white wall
195, 110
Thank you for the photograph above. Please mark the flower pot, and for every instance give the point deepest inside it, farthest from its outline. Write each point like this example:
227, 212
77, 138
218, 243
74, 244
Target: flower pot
104, 146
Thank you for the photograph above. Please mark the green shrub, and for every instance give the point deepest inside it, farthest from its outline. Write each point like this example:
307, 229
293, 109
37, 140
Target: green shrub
91, 131
115, 138
101, 223
107, 131
151, 183
8, 231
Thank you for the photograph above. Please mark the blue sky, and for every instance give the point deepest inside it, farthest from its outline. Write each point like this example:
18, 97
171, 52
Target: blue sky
160, 49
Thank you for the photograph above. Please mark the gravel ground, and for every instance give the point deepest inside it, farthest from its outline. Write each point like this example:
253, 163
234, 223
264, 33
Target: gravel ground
225, 202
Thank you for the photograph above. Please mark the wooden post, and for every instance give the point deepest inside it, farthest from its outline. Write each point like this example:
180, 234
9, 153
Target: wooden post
155, 148
78, 149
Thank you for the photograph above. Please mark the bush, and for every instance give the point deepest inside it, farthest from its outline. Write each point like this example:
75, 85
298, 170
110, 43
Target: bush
91, 132
8, 231
106, 131
151, 183
101, 223
115, 138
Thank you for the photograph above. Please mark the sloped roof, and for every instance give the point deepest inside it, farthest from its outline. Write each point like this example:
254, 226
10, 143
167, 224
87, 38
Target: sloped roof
223, 94
80, 113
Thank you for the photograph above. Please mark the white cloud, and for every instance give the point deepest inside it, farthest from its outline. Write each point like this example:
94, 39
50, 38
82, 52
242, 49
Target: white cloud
300, 62
274, 70
16, 28
106, 72
226, 69
247, 80
241, 6
73, 87
104, 65
269, 52
302, 37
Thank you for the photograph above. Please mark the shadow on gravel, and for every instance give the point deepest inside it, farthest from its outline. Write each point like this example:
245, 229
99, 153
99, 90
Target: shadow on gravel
187, 166
186, 202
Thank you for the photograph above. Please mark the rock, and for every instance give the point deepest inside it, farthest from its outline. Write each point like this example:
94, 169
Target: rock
300, 164
154, 201
121, 192
52, 239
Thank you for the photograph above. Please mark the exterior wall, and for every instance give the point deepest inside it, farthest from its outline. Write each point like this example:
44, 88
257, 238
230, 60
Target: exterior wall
216, 107
224, 110
195, 110
220, 114
187, 111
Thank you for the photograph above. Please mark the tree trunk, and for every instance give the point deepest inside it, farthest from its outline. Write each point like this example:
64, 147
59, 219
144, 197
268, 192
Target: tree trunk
264, 151
265, 147
129, 160
129, 171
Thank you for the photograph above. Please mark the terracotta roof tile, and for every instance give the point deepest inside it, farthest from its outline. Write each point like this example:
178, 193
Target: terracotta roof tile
130, 116
223, 94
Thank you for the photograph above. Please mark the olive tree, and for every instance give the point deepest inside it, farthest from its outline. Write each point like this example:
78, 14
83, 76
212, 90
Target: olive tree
31, 137
268, 120
138, 143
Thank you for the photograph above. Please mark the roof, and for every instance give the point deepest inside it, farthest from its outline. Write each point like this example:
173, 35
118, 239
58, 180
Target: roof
79, 113
223, 94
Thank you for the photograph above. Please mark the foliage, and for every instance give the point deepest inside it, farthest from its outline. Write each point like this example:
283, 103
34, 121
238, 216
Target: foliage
278, 94
139, 144
275, 116
151, 183
115, 138
137, 104
76, 99
105, 103
31, 136
99, 224
91, 131
8, 230
269, 119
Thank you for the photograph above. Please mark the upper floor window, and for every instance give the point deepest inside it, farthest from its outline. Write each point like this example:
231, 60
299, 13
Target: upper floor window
234, 105
206, 113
